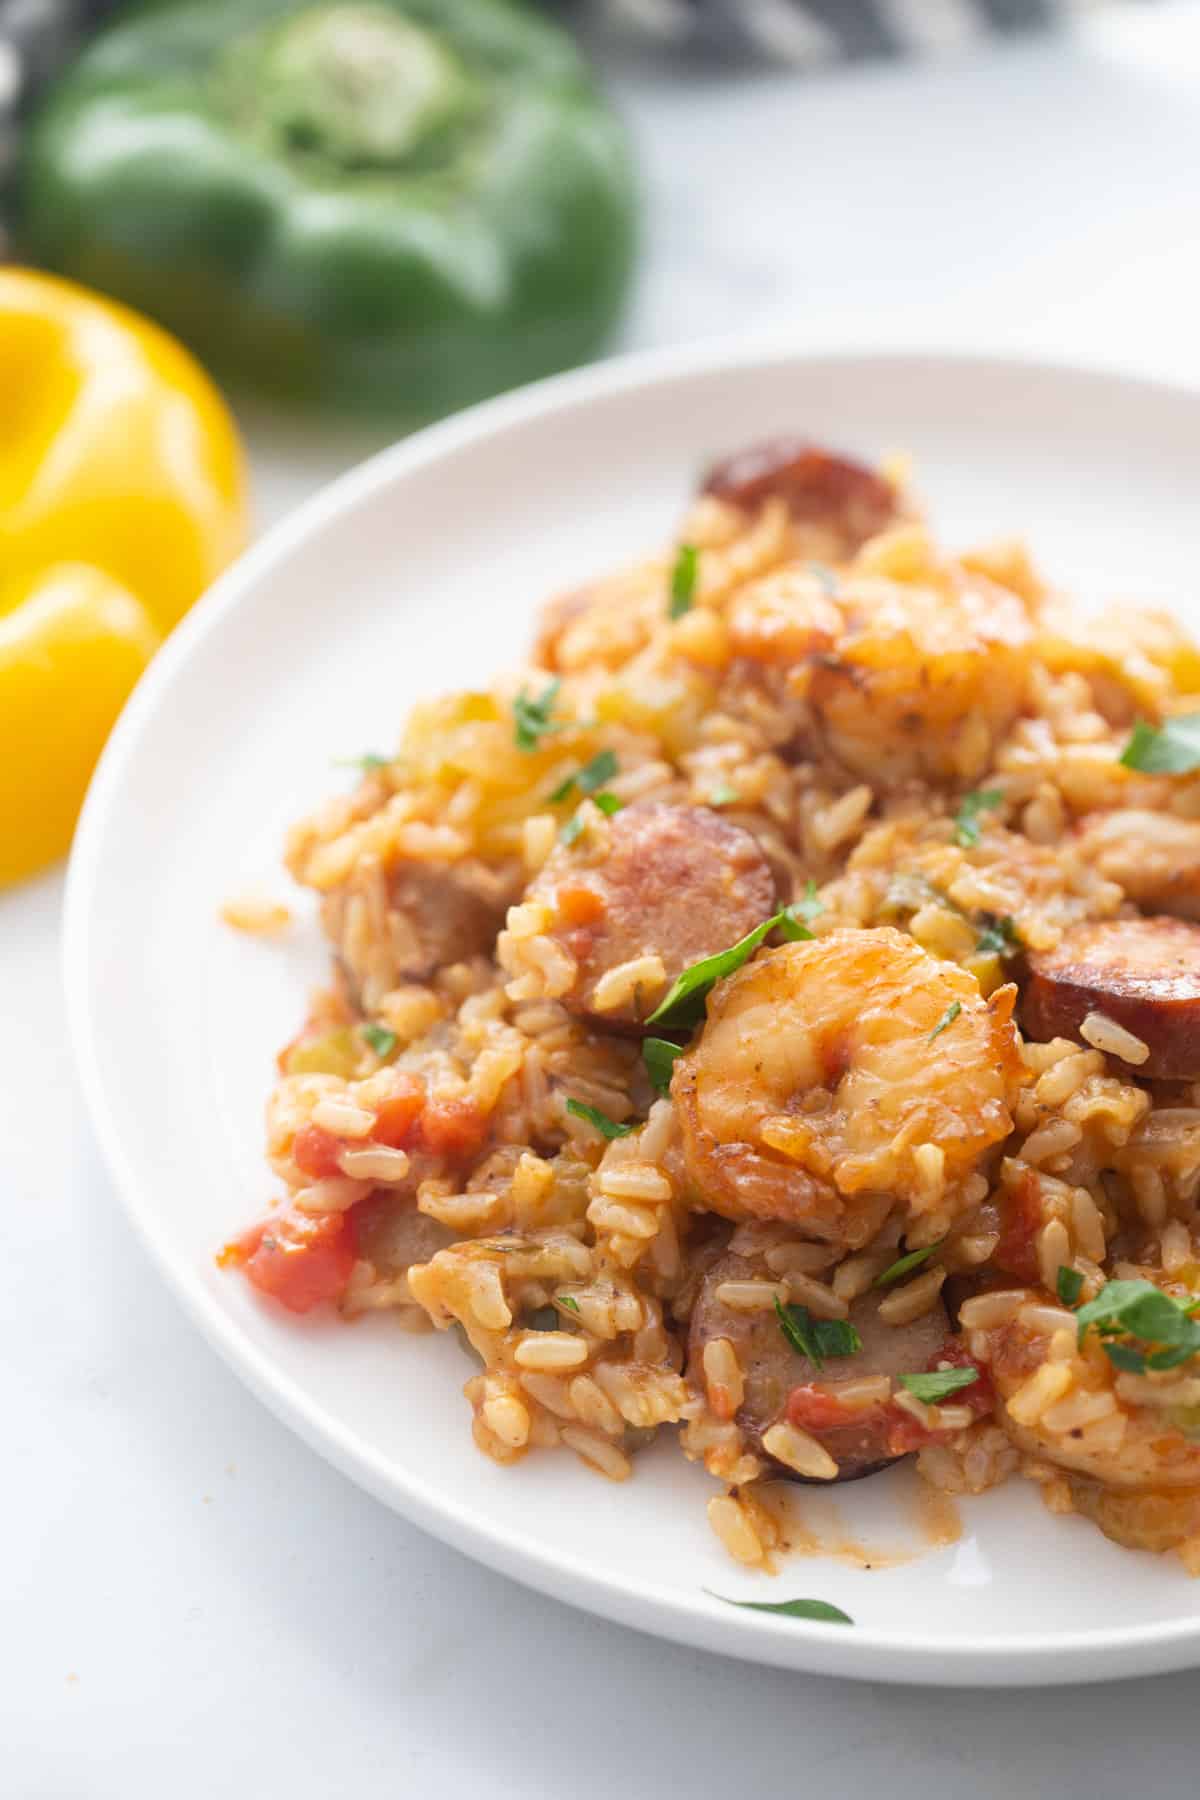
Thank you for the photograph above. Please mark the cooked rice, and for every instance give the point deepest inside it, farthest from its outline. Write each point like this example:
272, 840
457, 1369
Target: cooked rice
835, 704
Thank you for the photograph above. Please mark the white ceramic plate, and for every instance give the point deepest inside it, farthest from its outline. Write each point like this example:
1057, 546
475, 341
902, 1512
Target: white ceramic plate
419, 572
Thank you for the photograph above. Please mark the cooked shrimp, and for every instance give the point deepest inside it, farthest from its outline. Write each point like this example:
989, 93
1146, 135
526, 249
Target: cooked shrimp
896, 678
1073, 1408
839, 1077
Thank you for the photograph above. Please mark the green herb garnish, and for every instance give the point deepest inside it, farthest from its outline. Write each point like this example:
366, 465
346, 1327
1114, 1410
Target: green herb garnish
381, 1040
947, 1019
809, 903
683, 580
790, 1609
939, 1384
816, 1338
723, 795
604, 1125
593, 775
1138, 1309
368, 763
569, 1301
1172, 748
571, 830
906, 1264
967, 823
659, 1056
1069, 1285
608, 803
684, 1003
532, 719
999, 937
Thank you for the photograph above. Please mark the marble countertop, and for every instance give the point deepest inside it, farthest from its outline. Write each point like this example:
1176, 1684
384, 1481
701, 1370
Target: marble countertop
191, 1599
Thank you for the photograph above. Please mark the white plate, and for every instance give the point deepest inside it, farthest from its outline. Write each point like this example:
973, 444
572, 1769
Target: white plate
418, 572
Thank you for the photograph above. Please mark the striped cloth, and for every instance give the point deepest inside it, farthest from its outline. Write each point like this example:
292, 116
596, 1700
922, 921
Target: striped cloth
812, 32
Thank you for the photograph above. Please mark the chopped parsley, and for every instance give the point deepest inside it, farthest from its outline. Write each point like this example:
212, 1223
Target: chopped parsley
723, 795
659, 1056
947, 1019
684, 1002
368, 762
381, 1040
999, 937
809, 903
938, 1384
569, 1301
607, 1127
571, 831
816, 1338
967, 822
683, 580
790, 1609
906, 1264
1139, 1310
593, 775
1069, 1285
1172, 748
532, 719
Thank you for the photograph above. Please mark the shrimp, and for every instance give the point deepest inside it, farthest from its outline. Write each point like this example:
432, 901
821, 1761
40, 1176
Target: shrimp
1070, 1406
837, 1078
896, 679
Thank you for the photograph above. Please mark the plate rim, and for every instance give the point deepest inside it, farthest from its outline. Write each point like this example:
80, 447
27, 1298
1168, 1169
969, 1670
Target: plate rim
863, 1652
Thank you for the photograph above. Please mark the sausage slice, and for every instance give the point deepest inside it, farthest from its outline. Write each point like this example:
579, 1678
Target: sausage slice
677, 882
771, 1369
819, 488
1144, 974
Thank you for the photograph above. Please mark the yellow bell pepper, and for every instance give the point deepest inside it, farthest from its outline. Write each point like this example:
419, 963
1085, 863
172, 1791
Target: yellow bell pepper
122, 494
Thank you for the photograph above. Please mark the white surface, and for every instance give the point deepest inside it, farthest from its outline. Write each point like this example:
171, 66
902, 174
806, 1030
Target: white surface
176, 1018
190, 1596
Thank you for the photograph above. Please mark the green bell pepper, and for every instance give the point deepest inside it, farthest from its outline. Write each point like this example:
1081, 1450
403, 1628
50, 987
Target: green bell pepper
405, 204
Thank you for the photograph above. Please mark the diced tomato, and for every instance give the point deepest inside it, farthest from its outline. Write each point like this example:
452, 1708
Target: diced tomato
316, 1151
814, 1408
1020, 1222
299, 1260
396, 1120
453, 1128
578, 904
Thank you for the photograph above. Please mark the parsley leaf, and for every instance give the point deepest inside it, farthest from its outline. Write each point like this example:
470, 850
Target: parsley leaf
684, 1002
810, 902
532, 719
604, 1125
1172, 748
967, 823
1138, 1309
999, 937
569, 1301
906, 1264
790, 1609
1069, 1285
683, 580
947, 1019
816, 1338
381, 1040
608, 803
593, 775
368, 763
659, 1056
938, 1384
